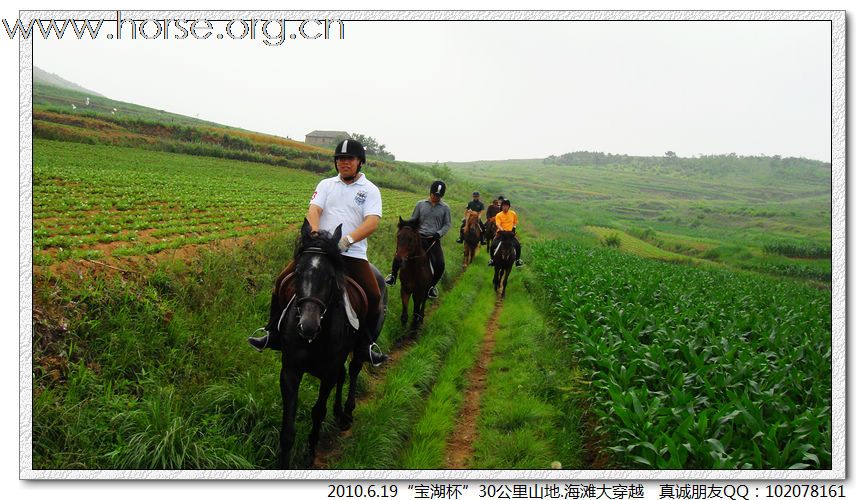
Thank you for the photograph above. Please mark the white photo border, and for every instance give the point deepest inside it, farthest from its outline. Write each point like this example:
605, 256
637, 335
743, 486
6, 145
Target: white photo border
839, 249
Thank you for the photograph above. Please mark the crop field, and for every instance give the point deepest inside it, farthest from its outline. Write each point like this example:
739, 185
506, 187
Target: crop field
92, 201
696, 368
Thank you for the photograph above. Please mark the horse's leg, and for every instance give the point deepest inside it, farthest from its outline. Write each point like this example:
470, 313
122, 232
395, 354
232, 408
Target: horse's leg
353, 370
318, 413
506, 272
289, 381
419, 297
403, 318
337, 400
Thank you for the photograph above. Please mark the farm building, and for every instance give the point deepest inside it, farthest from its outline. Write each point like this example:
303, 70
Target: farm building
326, 137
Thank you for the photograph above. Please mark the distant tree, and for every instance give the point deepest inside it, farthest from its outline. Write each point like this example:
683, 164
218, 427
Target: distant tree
670, 154
372, 146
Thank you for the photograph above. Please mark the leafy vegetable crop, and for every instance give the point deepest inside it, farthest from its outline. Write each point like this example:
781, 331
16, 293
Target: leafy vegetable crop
693, 367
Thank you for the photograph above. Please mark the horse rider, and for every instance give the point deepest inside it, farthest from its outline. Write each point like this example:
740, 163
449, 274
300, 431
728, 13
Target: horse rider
435, 221
478, 206
494, 208
506, 220
350, 199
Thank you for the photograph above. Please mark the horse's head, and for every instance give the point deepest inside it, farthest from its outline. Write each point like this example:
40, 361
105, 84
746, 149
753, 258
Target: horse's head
319, 278
471, 217
407, 239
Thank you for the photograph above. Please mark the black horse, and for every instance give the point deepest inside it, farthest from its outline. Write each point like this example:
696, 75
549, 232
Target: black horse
415, 272
316, 336
503, 259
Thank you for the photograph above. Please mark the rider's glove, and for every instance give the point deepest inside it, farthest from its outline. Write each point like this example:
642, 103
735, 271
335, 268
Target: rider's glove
345, 242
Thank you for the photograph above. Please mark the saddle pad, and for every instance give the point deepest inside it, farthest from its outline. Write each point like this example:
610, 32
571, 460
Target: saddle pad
356, 303
349, 311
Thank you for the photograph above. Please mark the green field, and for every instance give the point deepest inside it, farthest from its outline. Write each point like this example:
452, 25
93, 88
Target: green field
99, 201
697, 368
673, 312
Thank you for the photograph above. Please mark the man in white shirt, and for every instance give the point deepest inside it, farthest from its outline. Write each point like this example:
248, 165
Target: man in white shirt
352, 200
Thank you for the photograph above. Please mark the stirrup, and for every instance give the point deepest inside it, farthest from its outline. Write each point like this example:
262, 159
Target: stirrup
490, 263
252, 339
390, 280
433, 292
519, 263
376, 354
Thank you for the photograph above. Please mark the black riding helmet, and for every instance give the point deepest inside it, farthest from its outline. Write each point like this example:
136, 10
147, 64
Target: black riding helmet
438, 188
350, 147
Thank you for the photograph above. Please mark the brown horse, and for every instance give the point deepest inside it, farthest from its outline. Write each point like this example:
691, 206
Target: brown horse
490, 231
471, 237
415, 274
503, 259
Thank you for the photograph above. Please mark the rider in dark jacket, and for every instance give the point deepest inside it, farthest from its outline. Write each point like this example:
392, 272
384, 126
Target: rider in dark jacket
478, 206
435, 221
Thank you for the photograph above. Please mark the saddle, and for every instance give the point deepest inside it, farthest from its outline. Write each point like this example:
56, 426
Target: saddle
354, 298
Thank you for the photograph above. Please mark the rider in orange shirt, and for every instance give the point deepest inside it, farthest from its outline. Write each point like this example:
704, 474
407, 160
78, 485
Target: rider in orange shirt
506, 220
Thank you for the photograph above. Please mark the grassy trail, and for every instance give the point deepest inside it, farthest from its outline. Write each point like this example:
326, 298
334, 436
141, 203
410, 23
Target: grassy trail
460, 444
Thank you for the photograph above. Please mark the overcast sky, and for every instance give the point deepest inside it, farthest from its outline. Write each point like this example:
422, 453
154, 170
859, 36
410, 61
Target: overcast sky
460, 91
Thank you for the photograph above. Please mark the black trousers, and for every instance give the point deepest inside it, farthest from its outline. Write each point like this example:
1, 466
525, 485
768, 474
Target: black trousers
433, 249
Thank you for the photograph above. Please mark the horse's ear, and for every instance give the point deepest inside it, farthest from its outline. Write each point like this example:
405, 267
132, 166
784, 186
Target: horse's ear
305, 229
401, 222
337, 233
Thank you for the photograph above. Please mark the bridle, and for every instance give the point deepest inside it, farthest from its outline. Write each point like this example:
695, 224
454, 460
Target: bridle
315, 300
420, 249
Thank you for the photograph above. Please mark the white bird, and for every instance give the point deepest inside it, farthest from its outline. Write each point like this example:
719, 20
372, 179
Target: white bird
88, 102
113, 110
73, 107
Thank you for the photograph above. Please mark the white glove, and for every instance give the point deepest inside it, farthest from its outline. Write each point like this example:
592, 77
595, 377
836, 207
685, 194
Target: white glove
345, 242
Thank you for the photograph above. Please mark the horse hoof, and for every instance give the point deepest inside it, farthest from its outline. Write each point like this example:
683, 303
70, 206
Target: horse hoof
345, 423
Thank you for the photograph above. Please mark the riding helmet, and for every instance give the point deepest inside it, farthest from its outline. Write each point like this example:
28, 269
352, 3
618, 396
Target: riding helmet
350, 147
438, 188
476, 193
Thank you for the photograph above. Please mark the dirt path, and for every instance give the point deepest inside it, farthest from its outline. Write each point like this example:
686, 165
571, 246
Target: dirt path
460, 444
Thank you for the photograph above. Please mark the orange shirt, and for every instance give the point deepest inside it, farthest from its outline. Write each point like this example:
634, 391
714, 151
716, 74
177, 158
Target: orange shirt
506, 221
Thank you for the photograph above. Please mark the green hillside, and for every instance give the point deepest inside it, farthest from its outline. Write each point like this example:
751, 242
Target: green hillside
730, 209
